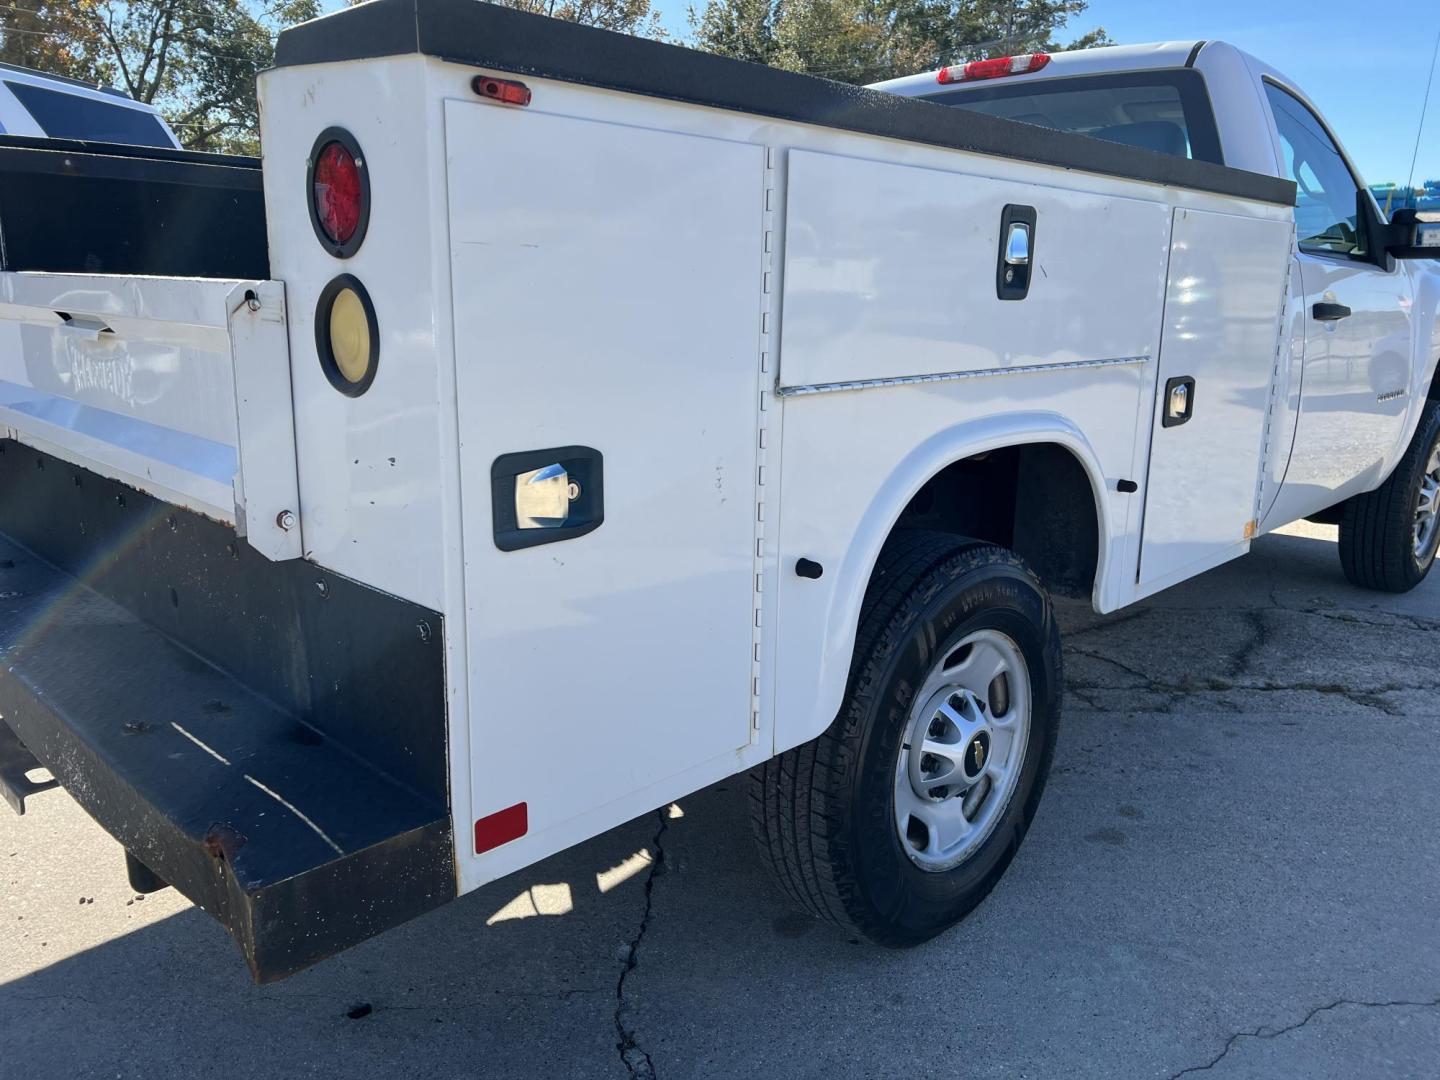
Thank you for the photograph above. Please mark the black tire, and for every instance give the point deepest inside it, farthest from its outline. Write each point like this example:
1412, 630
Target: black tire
823, 813
1377, 529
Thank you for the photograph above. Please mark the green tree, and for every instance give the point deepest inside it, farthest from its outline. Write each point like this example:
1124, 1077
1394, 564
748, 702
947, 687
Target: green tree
47, 35
743, 29
195, 60
623, 16
864, 41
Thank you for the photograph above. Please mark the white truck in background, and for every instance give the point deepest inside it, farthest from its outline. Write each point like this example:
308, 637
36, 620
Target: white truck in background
51, 107
602, 419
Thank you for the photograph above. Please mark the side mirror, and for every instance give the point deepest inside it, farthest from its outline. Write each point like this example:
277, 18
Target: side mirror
1413, 234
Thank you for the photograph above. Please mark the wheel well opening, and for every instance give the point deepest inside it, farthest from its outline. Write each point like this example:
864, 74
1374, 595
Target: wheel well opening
1035, 500
1435, 386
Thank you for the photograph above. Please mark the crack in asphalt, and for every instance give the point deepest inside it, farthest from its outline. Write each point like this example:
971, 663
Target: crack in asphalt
1174, 693
1381, 619
1238, 675
1386, 620
1240, 662
633, 1056
1263, 1033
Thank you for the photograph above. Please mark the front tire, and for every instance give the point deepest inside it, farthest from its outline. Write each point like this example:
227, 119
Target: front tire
1389, 536
899, 819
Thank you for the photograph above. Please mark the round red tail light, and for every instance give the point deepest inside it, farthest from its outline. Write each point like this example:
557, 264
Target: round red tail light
339, 193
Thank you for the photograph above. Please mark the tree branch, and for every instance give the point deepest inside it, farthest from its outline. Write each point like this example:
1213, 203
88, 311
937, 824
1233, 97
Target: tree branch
106, 28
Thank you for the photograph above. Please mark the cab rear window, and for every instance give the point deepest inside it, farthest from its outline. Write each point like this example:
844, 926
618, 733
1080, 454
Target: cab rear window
1168, 112
70, 116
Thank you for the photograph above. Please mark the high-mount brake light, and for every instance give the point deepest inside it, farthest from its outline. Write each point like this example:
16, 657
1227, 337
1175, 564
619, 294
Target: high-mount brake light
339, 186
507, 91
997, 68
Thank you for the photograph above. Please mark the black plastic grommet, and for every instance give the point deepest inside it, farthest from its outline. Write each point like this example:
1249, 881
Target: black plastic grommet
808, 568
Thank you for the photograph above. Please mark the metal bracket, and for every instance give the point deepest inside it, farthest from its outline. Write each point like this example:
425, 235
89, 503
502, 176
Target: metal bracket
15, 762
267, 487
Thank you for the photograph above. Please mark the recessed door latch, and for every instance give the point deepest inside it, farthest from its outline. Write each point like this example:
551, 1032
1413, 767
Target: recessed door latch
1017, 252
541, 496
1179, 401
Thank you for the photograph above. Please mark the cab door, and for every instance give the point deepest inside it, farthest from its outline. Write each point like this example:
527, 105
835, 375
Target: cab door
1355, 383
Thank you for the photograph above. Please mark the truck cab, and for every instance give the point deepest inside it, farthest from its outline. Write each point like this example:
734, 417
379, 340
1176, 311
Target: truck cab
51, 107
1357, 362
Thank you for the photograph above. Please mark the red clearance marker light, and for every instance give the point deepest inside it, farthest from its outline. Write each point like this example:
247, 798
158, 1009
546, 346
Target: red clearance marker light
501, 827
504, 90
997, 68
337, 192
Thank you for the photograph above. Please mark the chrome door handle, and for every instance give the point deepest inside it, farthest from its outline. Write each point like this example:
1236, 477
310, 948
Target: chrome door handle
1017, 244
81, 327
1327, 312
1179, 401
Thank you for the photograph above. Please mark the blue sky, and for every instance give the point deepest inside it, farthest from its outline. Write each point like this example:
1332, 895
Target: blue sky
1364, 64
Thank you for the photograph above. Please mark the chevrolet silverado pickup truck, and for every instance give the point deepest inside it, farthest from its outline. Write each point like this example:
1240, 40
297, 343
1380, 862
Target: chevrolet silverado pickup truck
557, 422
50, 106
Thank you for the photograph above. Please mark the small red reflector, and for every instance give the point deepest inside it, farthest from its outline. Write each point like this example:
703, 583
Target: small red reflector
506, 90
501, 827
997, 68
337, 192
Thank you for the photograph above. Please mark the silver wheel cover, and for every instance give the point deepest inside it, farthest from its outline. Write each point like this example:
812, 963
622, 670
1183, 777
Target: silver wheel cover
963, 751
1427, 510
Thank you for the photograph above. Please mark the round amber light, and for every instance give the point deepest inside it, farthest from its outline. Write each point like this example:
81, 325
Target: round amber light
350, 336
347, 337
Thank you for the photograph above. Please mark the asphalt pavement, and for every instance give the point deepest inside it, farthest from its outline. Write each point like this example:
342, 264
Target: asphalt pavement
1235, 872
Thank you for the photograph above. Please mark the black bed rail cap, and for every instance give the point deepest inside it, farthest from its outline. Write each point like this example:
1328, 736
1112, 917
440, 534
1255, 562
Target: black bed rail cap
128, 150
502, 39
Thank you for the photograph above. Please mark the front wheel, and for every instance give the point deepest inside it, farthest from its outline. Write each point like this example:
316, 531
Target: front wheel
903, 815
1389, 536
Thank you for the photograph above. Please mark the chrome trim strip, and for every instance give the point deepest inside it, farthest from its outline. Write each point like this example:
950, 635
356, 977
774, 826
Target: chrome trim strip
954, 376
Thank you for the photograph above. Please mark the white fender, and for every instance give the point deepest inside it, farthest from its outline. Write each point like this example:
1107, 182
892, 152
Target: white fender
819, 619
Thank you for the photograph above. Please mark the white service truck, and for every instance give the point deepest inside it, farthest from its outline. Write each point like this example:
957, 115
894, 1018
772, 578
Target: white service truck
594, 419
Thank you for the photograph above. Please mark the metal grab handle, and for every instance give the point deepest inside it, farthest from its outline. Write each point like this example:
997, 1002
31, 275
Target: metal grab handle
543, 497
1017, 245
1328, 312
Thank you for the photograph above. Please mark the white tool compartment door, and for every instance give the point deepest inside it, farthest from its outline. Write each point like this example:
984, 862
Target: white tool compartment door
1217, 356
607, 296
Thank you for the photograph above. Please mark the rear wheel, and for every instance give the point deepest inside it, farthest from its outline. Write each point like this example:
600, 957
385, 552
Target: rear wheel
903, 815
1389, 537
